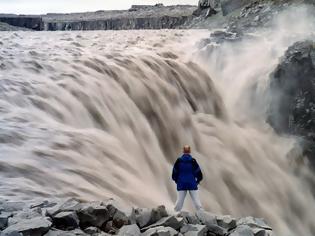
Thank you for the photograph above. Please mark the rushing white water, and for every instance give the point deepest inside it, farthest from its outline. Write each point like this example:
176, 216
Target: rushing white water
104, 114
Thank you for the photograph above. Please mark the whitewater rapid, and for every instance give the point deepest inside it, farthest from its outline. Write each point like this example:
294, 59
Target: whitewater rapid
96, 115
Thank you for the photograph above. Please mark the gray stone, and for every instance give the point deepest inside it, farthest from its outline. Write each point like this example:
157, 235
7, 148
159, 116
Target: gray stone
170, 221
189, 218
12, 206
13, 233
254, 222
217, 230
66, 205
43, 204
110, 228
93, 214
121, 214
206, 218
226, 222
56, 232
129, 230
260, 232
204, 4
194, 230
4, 216
92, 230
143, 217
146, 217
229, 6
242, 230
160, 231
120, 219
24, 215
35, 227
66, 220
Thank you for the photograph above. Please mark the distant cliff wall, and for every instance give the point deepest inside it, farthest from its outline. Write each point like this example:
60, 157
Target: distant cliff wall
164, 22
34, 23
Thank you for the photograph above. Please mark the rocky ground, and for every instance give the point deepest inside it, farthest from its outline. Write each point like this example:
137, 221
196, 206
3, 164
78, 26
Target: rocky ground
72, 217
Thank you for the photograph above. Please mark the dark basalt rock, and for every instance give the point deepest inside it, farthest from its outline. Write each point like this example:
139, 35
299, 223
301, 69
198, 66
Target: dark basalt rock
292, 86
93, 214
4, 217
66, 220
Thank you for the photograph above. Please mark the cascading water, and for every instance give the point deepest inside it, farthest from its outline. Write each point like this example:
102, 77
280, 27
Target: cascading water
104, 114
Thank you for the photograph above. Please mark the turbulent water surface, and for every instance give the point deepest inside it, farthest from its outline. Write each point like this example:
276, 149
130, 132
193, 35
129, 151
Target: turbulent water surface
104, 114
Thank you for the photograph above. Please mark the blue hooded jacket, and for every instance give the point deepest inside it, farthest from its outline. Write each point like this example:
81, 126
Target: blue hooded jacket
186, 173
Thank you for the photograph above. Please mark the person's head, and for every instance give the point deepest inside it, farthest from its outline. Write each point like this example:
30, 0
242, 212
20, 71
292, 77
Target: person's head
187, 149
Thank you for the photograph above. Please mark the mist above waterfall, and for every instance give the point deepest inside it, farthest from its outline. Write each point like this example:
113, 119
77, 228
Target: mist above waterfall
95, 115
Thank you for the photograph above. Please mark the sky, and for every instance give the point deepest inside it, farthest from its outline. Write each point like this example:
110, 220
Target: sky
56, 6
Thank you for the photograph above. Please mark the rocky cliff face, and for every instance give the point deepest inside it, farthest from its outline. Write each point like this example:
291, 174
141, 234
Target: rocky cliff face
137, 17
164, 22
293, 83
34, 23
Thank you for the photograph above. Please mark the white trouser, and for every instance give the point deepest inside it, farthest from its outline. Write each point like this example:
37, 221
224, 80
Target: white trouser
181, 198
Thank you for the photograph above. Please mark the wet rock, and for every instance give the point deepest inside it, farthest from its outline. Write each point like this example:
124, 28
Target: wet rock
221, 36
226, 222
93, 214
194, 230
170, 221
4, 216
292, 104
129, 230
35, 227
229, 6
242, 230
160, 231
66, 220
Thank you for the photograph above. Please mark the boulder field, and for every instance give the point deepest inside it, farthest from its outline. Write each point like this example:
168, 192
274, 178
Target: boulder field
72, 217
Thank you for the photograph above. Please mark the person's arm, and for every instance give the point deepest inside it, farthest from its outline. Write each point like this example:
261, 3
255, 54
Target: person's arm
197, 171
175, 171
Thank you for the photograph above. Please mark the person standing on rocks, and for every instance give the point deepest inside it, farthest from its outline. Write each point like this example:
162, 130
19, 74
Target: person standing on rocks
187, 175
